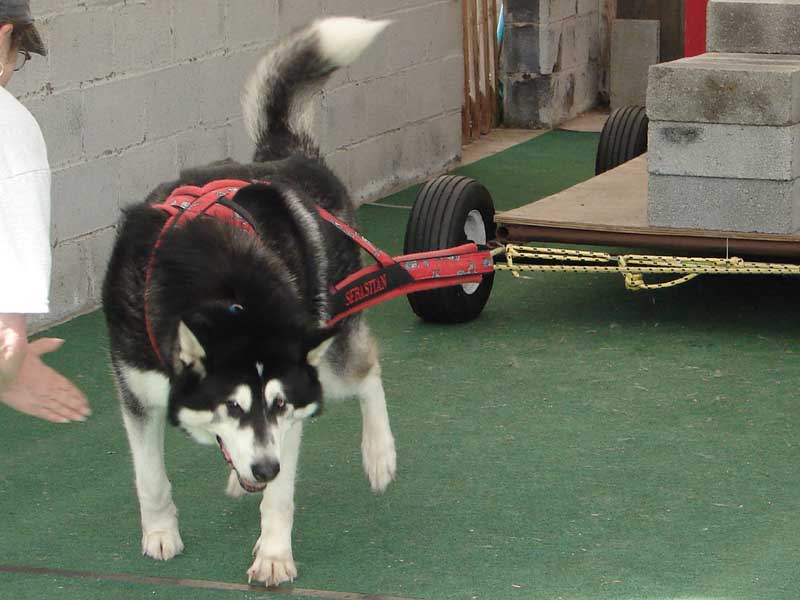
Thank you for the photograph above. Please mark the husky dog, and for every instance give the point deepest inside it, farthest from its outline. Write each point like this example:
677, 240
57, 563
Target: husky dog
224, 332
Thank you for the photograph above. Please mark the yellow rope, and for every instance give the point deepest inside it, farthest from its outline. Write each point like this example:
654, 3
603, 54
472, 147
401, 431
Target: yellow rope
633, 267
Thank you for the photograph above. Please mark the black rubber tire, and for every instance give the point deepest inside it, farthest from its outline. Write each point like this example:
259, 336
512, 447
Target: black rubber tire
436, 222
624, 137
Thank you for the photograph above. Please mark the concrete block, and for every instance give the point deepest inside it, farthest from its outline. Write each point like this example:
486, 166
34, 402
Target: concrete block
573, 92
747, 89
768, 26
524, 98
587, 39
240, 146
252, 21
724, 150
587, 91
561, 9
522, 49
444, 32
85, 198
342, 116
526, 11
134, 52
223, 79
198, 147
80, 46
62, 121
174, 98
588, 6
98, 252
114, 115
406, 42
294, 15
748, 205
69, 285
422, 92
42, 8
375, 164
338, 161
634, 47
142, 168
198, 27
34, 76
567, 51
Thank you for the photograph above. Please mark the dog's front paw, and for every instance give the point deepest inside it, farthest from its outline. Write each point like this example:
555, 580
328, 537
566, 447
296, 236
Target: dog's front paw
271, 568
162, 544
379, 459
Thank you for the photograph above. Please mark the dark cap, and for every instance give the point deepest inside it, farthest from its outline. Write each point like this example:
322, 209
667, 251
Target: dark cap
18, 13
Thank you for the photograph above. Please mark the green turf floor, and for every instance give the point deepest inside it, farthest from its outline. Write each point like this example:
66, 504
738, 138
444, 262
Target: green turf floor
578, 441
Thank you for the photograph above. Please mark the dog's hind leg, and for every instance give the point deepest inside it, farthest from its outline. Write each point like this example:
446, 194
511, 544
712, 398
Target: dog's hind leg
274, 563
352, 368
144, 409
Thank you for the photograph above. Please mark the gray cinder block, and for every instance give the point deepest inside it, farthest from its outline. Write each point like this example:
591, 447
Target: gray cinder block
748, 89
634, 47
768, 26
724, 150
522, 51
718, 204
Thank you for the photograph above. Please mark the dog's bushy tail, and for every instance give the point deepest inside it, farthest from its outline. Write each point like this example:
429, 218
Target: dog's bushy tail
277, 97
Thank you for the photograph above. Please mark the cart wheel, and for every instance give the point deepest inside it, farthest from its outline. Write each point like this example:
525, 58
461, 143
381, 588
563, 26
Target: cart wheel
449, 211
624, 137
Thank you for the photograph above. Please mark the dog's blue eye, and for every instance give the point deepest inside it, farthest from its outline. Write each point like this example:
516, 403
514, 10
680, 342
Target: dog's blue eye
235, 308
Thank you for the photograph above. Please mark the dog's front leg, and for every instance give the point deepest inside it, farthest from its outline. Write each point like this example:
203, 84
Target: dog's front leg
274, 563
160, 537
377, 442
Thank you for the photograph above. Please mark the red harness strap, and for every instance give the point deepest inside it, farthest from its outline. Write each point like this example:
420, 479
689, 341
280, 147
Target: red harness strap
403, 274
186, 203
389, 278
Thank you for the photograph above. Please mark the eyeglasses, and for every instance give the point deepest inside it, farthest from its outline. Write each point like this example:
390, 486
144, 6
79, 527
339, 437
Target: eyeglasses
24, 56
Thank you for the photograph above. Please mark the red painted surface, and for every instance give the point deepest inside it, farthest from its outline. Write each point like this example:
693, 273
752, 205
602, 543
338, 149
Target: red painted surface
695, 27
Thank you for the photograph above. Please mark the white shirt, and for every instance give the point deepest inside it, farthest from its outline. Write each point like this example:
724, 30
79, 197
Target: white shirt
25, 259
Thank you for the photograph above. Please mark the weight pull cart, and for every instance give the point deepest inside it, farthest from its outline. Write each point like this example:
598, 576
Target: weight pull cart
608, 210
454, 241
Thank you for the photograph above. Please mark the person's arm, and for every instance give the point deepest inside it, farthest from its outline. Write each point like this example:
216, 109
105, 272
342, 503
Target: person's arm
13, 345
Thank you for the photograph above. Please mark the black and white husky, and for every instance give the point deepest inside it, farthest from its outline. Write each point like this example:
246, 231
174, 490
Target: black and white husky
241, 354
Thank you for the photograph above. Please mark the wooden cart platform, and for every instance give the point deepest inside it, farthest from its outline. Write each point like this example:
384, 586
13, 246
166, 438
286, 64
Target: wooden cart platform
611, 210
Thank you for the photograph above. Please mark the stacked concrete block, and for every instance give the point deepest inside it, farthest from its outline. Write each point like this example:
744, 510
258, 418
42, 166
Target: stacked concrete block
634, 48
130, 94
770, 26
550, 61
724, 140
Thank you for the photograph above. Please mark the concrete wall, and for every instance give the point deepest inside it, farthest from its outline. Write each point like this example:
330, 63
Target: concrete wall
550, 60
134, 90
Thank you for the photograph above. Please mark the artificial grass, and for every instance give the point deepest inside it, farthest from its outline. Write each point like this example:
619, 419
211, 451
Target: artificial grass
577, 441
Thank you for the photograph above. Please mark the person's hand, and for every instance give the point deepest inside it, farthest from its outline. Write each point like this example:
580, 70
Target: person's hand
39, 391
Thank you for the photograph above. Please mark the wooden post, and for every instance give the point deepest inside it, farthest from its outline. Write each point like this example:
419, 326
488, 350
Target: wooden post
476, 57
488, 107
466, 107
495, 59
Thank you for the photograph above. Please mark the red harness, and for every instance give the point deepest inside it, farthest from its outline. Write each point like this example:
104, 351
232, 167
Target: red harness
389, 278
184, 204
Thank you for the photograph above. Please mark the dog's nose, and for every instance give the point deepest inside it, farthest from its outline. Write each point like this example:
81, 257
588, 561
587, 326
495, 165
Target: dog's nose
266, 471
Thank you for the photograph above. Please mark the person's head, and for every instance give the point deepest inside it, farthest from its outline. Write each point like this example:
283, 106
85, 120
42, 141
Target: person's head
18, 37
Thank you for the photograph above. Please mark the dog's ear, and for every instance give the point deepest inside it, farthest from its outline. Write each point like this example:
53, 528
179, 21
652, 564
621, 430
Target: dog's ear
317, 342
190, 351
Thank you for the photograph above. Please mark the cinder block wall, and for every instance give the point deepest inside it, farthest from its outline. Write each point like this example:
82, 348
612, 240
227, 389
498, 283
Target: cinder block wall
134, 90
550, 60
